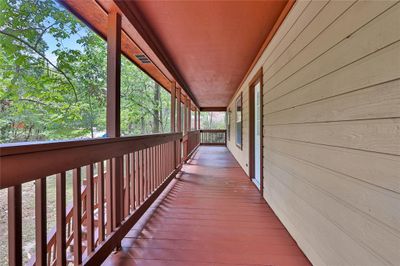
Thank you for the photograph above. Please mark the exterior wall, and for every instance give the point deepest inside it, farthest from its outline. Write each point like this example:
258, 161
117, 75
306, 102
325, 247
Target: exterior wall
241, 154
332, 130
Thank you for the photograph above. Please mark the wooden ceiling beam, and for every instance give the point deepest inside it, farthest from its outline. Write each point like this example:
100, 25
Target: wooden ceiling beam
213, 109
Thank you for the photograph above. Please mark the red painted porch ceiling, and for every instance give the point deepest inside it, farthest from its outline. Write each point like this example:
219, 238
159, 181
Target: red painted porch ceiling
211, 43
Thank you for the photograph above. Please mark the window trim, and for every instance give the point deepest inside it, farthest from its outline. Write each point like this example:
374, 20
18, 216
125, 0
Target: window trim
239, 100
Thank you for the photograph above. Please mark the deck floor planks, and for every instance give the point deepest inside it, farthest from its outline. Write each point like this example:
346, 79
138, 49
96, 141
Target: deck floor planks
213, 215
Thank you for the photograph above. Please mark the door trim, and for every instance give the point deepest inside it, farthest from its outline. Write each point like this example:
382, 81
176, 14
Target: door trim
257, 78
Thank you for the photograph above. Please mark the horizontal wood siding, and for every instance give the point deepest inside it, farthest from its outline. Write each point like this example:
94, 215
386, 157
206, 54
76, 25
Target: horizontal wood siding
241, 155
332, 130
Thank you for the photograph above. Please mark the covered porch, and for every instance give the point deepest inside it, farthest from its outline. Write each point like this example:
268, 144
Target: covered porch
305, 171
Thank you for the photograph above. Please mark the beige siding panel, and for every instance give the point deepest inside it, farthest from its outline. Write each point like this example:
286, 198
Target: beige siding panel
377, 169
381, 135
329, 13
309, 14
363, 73
346, 52
355, 18
333, 245
291, 20
298, 231
364, 199
367, 233
380, 101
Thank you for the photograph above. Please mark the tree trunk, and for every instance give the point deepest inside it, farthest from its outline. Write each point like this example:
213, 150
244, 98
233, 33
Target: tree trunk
156, 108
142, 125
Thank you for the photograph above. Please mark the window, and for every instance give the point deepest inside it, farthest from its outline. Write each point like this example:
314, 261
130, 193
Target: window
239, 121
228, 124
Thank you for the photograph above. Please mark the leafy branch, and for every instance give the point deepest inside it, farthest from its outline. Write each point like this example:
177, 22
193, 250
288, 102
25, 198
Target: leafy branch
44, 57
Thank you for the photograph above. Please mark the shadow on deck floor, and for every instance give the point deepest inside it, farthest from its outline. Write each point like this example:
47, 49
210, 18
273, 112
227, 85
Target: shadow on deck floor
212, 215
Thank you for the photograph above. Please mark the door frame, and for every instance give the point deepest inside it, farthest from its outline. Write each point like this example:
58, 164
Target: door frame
257, 78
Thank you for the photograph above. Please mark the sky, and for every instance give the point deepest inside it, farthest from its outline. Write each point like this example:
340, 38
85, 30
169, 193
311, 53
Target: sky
70, 43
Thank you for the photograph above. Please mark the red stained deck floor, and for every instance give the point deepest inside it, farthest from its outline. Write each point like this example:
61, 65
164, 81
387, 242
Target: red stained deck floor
213, 215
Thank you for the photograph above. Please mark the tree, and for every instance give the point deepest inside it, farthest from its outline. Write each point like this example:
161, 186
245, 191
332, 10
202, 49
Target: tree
53, 78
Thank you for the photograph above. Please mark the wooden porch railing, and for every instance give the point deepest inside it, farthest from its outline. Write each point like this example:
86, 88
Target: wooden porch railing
213, 137
190, 142
123, 176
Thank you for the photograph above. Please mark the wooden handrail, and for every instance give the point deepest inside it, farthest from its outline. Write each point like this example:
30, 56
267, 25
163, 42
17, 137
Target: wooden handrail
213, 130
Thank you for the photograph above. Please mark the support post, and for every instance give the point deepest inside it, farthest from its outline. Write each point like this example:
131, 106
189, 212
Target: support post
113, 74
179, 110
173, 126
179, 121
189, 114
185, 116
114, 109
173, 101
195, 119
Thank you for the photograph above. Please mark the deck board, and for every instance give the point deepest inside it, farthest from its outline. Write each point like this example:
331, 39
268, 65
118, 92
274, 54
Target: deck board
213, 215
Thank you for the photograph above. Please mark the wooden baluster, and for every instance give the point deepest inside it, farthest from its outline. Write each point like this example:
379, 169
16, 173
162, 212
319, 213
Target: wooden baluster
143, 187
132, 177
154, 167
159, 166
171, 151
169, 157
140, 177
151, 169
40, 221
127, 186
90, 208
109, 204
77, 212
136, 179
117, 191
148, 172
165, 160
100, 196
15, 225
60, 219
161, 163
143, 180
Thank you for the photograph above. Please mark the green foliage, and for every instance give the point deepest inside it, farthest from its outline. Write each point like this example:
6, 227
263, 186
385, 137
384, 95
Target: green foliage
53, 78
212, 120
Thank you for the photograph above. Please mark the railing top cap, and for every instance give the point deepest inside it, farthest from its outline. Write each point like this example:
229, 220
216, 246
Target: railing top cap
28, 147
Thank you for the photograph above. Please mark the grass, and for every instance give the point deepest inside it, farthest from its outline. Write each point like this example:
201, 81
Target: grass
28, 216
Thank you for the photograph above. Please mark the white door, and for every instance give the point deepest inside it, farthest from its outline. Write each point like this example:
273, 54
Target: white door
257, 135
